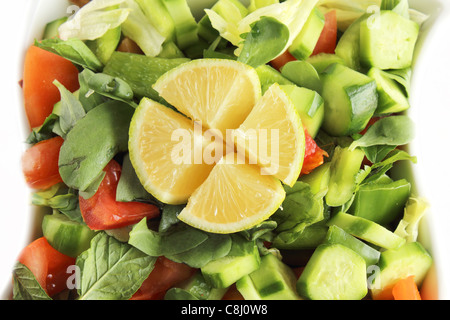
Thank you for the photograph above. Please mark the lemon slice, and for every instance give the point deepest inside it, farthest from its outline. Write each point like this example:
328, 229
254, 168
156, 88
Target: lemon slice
272, 136
162, 158
216, 92
233, 198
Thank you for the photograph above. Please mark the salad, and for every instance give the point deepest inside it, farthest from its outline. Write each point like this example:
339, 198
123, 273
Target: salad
254, 153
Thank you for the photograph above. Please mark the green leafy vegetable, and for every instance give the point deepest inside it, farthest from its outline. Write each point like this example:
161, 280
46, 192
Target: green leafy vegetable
26, 287
88, 97
111, 270
73, 50
112, 87
265, 41
94, 19
415, 210
390, 131
93, 142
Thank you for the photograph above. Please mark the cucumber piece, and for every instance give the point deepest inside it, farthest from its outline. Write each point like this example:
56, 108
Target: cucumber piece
410, 259
322, 61
303, 45
388, 41
104, 46
140, 71
303, 74
268, 76
247, 289
309, 105
381, 202
350, 100
345, 165
391, 98
186, 29
334, 272
311, 237
348, 46
51, 28
170, 51
319, 179
223, 272
68, 237
339, 236
159, 16
367, 230
273, 280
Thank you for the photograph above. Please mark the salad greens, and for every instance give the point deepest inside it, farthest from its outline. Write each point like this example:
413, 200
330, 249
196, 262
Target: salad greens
348, 196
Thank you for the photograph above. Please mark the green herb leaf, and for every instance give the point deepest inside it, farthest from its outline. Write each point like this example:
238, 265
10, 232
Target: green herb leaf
26, 287
111, 270
265, 41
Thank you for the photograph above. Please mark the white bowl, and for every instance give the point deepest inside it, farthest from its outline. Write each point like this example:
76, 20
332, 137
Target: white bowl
23, 21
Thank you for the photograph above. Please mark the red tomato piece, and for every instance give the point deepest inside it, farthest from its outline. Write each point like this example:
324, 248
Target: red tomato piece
48, 265
103, 212
328, 37
406, 289
40, 94
40, 164
280, 61
164, 276
313, 155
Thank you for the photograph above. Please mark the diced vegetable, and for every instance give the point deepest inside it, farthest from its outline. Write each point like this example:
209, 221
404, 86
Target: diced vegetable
406, 289
328, 37
47, 265
103, 212
314, 155
40, 70
40, 164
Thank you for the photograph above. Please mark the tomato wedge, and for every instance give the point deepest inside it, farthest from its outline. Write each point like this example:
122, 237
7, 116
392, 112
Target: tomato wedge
313, 155
164, 276
48, 265
328, 37
41, 69
103, 212
40, 164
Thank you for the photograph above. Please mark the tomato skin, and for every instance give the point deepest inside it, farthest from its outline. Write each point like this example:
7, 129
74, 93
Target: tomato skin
281, 60
48, 265
103, 212
41, 68
164, 276
40, 164
328, 37
313, 155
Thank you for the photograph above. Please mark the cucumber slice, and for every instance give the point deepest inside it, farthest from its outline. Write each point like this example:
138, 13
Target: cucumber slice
274, 280
256, 4
410, 259
367, 230
319, 179
391, 98
247, 289
51, 28
186, 28
309, 105
345, 165
381, 202
303, 45
348, 46
350, 100
268, 76
311, 237
156, 12
170, 51
339, 236
68, 237
303, 74
199, 288
388, 41
223, 272
322, 61
334, 272
105, 46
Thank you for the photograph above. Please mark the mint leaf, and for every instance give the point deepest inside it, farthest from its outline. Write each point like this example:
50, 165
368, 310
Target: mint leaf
26, 287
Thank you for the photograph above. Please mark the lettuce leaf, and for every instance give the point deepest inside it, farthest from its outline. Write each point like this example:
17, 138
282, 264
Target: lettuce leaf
408, 227
94, 20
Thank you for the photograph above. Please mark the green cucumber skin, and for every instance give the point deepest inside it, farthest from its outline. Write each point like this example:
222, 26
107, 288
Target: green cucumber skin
334, 272
51, 29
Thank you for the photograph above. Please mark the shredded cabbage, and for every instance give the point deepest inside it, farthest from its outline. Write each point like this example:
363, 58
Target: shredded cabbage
94, 20
408, 227
293, 13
